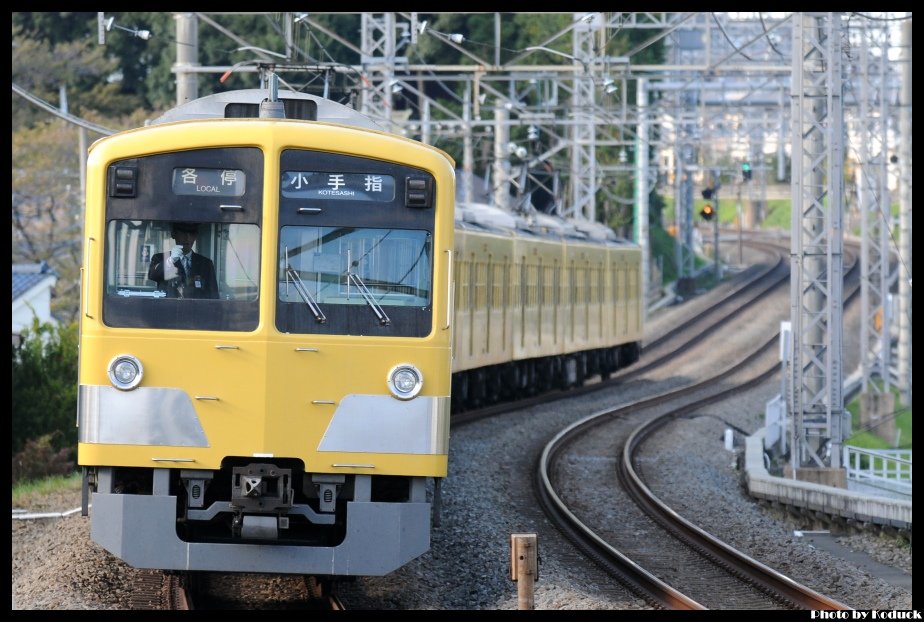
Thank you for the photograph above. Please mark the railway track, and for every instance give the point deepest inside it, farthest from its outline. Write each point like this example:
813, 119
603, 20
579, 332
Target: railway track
729, 576
180, 591
673, 550
154, 589
748, 583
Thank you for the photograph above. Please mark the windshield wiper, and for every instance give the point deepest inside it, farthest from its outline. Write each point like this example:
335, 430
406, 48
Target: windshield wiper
367, 296
303, 292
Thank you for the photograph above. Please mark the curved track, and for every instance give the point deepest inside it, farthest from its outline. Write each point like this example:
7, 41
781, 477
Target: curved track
728, 576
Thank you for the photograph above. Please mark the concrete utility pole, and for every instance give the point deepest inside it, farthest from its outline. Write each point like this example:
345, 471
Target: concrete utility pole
904, 274
501, 167
781, 142
81, 150
816, 299
468, 156
715, 228
688, 46
187, 57
683, 188
426, 125
642, 188
757, 186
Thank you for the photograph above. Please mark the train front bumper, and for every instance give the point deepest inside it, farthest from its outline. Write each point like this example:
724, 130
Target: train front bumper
381, 537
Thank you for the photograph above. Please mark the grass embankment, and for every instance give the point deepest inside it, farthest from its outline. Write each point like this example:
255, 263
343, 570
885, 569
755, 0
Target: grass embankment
868, 440
24, 491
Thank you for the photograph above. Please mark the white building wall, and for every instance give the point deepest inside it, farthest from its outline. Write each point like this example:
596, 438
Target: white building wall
35, 302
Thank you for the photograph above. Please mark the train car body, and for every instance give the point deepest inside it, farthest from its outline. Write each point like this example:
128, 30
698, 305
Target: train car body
290, 421
285, 407
540, 305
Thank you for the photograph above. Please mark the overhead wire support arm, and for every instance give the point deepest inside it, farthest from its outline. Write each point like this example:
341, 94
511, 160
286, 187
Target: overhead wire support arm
760, 36
240, 41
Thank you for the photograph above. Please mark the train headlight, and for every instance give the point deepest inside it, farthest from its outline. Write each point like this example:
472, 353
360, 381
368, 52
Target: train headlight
125, 372
405, 381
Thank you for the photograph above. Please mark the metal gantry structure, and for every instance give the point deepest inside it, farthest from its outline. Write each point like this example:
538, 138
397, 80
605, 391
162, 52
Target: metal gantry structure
736, 87
816, 296
584, 110
874, 207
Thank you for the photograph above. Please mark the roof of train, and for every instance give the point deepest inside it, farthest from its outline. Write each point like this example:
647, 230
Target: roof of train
245, 103
491, 218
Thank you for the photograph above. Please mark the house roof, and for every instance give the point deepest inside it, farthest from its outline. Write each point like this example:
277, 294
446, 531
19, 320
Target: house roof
28, 275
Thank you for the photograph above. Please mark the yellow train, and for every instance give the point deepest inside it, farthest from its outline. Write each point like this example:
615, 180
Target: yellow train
281, 304
264, 373
540, 304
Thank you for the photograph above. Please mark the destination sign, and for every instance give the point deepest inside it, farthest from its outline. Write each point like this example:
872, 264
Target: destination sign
215, 182
338, 186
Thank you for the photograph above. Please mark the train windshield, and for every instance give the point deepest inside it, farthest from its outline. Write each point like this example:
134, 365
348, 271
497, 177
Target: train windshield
346, 278
161, 274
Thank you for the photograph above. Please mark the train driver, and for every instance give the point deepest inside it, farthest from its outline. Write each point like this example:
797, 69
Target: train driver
186, 273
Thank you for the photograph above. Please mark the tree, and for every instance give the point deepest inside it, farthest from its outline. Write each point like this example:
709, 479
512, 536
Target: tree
42, 67
44, 374
46, 211
46, 206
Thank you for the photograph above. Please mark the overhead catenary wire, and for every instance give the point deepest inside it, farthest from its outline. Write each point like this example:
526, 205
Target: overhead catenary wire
41, 103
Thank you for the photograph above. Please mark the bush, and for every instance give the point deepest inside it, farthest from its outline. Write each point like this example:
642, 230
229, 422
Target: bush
39, 459
44, 381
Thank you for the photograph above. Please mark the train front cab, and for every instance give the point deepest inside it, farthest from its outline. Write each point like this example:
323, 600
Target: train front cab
291, 424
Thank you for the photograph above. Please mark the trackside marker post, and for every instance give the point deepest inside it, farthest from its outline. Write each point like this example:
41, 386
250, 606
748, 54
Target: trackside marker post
524, 567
